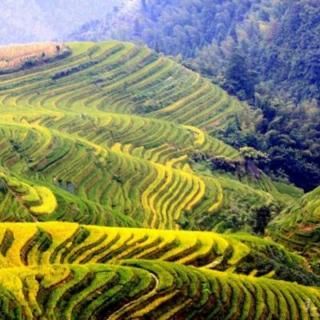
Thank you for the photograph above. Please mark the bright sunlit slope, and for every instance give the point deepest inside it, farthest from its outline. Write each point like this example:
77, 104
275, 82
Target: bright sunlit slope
67, 271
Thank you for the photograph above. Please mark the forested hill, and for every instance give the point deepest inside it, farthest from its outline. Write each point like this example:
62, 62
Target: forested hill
265, 52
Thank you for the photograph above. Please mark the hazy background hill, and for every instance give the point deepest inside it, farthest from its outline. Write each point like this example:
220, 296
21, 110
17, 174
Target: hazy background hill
43, 20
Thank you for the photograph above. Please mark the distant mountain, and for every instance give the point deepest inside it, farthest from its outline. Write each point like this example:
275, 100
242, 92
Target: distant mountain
118, 23
37, 20
23, 21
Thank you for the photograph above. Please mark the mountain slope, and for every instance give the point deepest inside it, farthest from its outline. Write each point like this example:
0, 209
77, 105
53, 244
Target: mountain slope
142, 127
66, 270
140, 289
265, 52
122, 141
298, 226
23, 246
270, 34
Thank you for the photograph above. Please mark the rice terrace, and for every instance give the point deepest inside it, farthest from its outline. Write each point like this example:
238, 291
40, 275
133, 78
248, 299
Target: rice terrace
120, 200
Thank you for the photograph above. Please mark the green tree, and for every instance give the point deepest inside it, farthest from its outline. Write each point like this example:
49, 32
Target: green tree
239, 79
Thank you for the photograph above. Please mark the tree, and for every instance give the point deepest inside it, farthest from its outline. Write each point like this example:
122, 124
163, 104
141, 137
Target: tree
239, 80
263, 217
251, 156
250, 153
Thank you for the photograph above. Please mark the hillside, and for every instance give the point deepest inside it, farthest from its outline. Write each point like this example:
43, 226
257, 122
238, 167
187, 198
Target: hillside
115, 191
128, 116
270, 34
15, 58
265, 52
83, 272
298, 226
91, 292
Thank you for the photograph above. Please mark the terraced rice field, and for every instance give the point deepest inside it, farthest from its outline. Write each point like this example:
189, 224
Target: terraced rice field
24, 244
298, 226
111, 130
67, 271
98, 178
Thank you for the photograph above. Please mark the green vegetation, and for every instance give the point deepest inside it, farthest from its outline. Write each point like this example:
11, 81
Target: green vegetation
29, 244
265, 52
106, 156
80, 272
153, 290
298, 227
113, 131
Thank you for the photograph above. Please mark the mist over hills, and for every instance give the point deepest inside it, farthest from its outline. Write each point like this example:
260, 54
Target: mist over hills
24, 21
